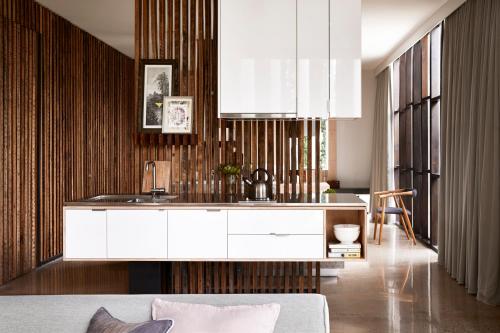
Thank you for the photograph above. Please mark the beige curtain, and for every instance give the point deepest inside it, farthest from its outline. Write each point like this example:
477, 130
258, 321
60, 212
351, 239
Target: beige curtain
469, 214
382, 171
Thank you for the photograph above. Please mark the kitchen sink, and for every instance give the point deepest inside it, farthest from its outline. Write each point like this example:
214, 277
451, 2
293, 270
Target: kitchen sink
121, 198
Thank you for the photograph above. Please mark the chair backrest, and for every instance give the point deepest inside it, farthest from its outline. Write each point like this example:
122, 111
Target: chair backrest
413, 190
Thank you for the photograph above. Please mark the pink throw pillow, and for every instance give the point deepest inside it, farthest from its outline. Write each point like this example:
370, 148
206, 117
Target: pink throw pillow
203, 318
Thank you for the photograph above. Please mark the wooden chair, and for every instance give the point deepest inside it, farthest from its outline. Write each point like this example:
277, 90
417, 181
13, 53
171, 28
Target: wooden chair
400, 209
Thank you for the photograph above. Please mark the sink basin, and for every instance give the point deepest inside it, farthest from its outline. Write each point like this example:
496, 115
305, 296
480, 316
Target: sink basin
136, 200
123, 198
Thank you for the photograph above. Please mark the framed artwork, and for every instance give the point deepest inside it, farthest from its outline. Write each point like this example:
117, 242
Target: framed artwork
157, 79
177, 115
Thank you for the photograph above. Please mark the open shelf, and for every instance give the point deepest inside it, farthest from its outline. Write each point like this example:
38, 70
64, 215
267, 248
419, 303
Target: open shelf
341, 216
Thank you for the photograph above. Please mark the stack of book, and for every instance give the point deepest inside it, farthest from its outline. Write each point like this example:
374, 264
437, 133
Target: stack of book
338, 250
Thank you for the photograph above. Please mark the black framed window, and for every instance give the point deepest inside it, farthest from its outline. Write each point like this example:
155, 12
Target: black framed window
416, 121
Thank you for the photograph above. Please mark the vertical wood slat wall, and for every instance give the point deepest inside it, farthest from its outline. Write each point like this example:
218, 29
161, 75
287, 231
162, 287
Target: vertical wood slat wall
68, 125
18, 111
186, 30
243, 277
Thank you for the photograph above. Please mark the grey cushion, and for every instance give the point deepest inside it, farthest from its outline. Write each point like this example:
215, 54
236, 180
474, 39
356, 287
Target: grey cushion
300, 313
393, 210
103, 322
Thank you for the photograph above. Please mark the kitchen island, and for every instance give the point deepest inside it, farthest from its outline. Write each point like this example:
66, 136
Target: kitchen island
200, 229
208, 227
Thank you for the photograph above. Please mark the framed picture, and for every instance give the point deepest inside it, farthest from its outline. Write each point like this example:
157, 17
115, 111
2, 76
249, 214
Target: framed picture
157, 79
177, 115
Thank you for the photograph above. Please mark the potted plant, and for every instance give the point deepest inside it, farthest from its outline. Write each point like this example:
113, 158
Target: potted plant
231, 172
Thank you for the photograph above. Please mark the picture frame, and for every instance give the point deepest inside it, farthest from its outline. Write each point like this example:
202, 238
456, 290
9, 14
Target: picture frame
157, 79
177, 115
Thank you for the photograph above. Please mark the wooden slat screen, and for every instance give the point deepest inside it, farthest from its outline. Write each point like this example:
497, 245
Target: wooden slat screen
68, 128
242, 277
186, 30
18, 111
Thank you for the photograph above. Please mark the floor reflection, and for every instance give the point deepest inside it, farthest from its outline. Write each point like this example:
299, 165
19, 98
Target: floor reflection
71, 278
403, 289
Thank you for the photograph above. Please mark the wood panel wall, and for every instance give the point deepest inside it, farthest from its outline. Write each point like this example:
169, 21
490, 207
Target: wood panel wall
68, 128
186, 30
18, 163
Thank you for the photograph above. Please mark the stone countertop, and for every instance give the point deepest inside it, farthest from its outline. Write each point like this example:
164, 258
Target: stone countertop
211, 200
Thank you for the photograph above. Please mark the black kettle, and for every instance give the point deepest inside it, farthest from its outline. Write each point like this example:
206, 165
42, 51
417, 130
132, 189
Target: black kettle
259, 189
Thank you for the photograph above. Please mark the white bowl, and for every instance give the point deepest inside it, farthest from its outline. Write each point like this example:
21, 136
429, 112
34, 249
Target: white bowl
346, 233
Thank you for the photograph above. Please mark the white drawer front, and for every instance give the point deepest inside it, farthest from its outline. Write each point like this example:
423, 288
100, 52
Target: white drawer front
197, 234
137, 234
263, 222
85, 234
275, 247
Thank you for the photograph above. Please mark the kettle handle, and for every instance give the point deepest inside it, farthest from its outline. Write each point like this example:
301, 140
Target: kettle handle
256, 171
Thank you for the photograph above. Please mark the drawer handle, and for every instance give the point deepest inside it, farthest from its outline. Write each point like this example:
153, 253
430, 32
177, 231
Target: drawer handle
278, 235
213, 210
98, 210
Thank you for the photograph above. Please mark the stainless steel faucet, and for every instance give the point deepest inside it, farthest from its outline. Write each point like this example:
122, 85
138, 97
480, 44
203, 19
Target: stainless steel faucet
154, 190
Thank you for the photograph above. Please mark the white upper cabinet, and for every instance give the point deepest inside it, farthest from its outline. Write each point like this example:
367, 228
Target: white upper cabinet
257, 58
312, 58
345, 58
290, 58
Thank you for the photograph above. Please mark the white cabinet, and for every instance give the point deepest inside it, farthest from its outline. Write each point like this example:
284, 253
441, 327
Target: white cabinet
197, 234
286, 221
134, 234
280, 246
345, 58
193, 234
257, 58
290, 58
84, 234
275, 234
312, 58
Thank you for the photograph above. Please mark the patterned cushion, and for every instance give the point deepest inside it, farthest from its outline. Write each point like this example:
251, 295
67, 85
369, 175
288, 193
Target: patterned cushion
103, 322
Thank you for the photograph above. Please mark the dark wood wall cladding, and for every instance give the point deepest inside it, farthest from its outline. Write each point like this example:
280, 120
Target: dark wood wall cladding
87, 123
18, 163
186, 30
74, 135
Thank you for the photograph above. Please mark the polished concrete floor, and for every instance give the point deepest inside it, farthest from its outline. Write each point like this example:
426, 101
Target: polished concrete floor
401, 288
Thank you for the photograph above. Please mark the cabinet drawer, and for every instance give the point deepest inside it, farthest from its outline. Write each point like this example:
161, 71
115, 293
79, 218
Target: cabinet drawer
197, 234
84, 234
137, 234
275, 246
264, 222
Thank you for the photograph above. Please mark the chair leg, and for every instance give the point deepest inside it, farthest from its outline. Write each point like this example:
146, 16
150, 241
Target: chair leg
408, 222
375, 220
382, 216
396, 201
404, 226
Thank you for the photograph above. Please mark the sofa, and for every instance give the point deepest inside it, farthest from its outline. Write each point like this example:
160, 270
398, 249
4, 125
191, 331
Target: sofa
300, 313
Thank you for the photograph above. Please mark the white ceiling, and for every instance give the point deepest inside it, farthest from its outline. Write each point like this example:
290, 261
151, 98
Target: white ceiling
386, 23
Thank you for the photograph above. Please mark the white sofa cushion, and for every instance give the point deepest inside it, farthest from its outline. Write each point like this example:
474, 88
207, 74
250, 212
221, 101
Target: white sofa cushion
203, 318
